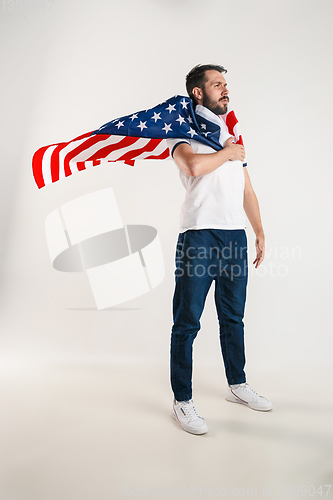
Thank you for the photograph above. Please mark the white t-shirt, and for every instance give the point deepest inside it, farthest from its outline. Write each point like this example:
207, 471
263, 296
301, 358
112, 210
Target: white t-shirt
214, 200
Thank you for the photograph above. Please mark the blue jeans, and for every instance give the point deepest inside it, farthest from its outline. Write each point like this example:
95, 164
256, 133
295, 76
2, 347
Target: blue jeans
203, 256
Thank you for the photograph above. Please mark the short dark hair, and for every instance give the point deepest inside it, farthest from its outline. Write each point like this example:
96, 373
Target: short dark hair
197, 77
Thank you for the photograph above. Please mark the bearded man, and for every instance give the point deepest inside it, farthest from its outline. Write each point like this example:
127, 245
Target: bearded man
212, 246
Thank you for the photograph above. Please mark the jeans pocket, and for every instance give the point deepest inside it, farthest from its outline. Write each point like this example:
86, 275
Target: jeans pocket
179, 252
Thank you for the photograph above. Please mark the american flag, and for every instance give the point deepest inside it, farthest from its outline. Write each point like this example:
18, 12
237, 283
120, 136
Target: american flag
141, 135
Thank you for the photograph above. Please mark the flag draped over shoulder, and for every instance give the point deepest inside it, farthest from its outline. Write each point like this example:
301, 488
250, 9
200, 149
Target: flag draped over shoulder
141, 135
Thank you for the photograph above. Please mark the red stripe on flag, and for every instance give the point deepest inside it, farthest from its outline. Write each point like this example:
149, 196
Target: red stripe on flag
37, 161
150, 146
104, 152
162, 156
231, 121
54, 161
80, 165
240, 141
85, 145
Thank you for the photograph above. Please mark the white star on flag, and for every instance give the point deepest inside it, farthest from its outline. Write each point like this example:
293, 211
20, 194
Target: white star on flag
192, 132
142, 125
171, 107
156, 117
134, 116
184, 104
189, 119
167, 128
203, 126
119, 124
180, 120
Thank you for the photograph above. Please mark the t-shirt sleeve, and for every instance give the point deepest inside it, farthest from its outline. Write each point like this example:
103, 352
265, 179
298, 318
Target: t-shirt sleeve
173, 143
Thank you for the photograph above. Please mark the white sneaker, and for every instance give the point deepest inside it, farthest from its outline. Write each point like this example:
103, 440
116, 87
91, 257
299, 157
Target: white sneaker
242, 393
186, 415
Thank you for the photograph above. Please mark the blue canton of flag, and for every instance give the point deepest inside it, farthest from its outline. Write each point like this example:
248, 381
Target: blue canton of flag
172, 119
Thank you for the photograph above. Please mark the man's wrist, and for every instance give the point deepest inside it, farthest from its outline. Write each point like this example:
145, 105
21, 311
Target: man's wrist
260, 234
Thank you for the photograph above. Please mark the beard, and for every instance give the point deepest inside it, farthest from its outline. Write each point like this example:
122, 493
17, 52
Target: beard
217, 107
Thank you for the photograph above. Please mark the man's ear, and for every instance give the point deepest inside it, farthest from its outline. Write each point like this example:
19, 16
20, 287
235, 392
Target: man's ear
198, 94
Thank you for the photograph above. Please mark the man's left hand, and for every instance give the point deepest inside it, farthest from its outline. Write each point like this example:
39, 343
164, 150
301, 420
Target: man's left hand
260, 249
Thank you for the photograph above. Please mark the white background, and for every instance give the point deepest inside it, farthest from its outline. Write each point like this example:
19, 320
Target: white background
70, 66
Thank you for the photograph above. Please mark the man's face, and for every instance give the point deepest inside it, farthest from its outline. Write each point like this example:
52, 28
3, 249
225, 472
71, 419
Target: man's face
215, 93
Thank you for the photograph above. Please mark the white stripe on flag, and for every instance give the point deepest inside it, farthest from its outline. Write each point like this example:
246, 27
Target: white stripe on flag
114, 155
87, 153
113, 139
67, 149
160, 148
236, 131
46, 170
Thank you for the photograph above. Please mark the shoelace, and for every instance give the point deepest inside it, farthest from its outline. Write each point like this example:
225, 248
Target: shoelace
190, 410
249, 390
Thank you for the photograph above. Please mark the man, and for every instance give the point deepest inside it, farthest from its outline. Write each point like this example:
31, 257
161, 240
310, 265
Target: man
212, 246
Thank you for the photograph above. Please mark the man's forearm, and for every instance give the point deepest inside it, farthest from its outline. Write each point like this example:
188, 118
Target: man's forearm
195, 165
202, 164
251, 207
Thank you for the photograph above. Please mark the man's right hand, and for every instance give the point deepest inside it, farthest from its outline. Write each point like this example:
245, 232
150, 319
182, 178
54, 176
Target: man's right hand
235, 151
